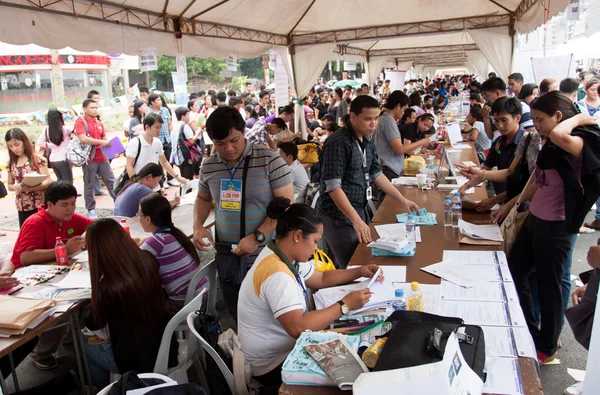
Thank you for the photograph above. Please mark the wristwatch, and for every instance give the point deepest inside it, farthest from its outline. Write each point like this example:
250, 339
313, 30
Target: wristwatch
260, 236
345, 309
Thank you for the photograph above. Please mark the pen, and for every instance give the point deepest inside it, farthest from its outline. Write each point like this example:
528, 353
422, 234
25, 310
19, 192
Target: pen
368, 328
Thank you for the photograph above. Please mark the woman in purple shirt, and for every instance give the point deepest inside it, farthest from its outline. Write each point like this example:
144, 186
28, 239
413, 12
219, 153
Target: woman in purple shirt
177, 257
566, 184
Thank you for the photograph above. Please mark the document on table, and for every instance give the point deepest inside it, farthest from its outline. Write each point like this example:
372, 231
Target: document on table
76, 279
391, 274
189, 198
486, 292
483, 313
504, 377
382, 295
508, 342
461, 146
464, 276
481, 232
451, 375
396, 230
475, 257
83, 256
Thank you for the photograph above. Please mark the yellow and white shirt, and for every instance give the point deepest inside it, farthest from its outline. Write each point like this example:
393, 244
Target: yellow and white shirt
268, 291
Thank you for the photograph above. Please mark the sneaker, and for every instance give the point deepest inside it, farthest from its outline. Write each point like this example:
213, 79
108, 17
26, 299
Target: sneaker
46, 363
173, 182
543, 358
575, 389
92, 214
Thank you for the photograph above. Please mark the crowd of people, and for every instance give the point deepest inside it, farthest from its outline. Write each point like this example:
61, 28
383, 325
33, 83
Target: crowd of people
267, 230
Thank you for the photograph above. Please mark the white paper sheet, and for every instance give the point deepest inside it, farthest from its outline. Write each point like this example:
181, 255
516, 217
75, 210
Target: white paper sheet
524, 341
475, 257
484, 232
189, 198
461, 146
464, 276
76, 279
480, 313
396, 230
499, 342
382, 295
577, 374
454, 134
486, 292
504, 377
391, 274
83, 256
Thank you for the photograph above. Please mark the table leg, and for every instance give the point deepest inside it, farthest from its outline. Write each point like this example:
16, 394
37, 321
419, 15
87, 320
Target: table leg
13, 371
73, 319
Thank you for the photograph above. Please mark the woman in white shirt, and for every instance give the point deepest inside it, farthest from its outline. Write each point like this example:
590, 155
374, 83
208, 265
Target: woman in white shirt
273, 300
477, 129
55, 137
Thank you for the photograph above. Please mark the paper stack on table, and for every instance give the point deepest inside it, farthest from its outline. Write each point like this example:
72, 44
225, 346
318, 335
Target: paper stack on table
300, 368
426, 219
382, 295
17, 314
480, 234
399, 230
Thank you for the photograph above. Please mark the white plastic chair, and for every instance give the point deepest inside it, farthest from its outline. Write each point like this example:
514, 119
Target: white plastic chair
190, 345
313, 204
211, 351
166, 379
210, 272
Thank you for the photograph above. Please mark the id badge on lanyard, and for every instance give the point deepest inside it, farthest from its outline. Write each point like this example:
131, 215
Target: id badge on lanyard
364, 165
231, 192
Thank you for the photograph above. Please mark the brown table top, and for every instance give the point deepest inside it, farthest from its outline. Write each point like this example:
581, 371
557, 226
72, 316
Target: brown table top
436, 239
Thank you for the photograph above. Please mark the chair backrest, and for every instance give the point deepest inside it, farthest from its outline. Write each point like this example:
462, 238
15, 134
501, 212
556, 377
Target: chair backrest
162, 359
166, 379
313, 204
228, 374
208, 271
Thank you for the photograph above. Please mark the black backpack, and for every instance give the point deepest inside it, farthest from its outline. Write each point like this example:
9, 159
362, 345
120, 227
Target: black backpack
131, 381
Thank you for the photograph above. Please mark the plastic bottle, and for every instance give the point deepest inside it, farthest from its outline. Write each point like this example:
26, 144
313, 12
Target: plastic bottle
410, 228
430, 170
60, 250
456, 210
125, 226
371, 356
415, 300
447, 211
400, 303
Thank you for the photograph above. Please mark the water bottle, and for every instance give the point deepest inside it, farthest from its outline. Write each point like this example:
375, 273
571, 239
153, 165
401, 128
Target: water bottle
61, 253
456, 210
125, 226
400, 303
415, 300
410, 229
447, 211
430, 170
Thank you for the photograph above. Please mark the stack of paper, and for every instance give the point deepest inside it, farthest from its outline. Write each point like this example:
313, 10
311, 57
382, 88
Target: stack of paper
18, 314
480, 234
300, 368
425, 220
382, 295
393, 244
396, 230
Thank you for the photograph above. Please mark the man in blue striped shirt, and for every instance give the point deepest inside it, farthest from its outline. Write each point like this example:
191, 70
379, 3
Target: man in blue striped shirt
221, 181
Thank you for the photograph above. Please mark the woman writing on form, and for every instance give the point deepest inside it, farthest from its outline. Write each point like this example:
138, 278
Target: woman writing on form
273, 308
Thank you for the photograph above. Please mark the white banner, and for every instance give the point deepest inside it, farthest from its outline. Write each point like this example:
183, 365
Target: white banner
231, 60
396, 78
180, 88
148, 60
181, 61
349, 65
557, 67
281, 84
573, 10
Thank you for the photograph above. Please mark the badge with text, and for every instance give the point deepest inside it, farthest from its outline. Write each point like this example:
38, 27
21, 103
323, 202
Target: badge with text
369, 193
231, 195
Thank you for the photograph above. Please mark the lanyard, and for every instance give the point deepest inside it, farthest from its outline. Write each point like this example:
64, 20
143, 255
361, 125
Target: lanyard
364, 155
162, 229
293, 268
234, 169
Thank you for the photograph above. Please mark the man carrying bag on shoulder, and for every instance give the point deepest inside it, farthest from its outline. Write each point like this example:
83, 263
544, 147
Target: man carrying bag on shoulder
241, 178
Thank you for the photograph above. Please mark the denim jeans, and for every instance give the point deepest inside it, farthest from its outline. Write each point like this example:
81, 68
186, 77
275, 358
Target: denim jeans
598, 209
566, 283
101, 361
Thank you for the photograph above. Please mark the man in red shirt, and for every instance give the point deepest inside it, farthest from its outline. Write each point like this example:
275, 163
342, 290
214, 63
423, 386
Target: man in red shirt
99, 162
35, 244
55, 218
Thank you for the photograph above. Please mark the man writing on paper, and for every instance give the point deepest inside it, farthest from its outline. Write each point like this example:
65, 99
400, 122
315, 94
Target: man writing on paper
349, 164
241, 174
35, 245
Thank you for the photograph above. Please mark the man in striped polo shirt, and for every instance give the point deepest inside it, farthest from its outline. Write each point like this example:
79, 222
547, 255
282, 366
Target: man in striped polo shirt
222, 181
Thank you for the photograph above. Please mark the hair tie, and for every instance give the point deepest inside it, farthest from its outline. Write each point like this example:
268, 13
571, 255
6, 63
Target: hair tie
287, 208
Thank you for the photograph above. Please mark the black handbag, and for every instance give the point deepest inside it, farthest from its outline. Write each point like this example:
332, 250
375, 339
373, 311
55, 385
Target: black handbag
418, 338
3, 191
124, 177
232, 268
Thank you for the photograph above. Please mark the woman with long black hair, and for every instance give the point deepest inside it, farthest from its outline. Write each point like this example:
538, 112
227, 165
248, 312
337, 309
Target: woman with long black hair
55, 138
140, 108
566, 183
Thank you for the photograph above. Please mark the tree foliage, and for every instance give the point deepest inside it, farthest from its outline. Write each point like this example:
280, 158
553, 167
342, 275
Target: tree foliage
252, 67
209, 67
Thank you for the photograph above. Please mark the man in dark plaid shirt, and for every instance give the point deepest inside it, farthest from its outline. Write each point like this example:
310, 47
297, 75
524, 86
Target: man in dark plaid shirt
349, 165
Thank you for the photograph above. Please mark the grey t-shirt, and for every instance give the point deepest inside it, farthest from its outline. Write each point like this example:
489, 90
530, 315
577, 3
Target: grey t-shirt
128, 202
387, 130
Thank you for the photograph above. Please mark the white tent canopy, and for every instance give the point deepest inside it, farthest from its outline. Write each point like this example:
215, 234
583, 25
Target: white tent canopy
424, 31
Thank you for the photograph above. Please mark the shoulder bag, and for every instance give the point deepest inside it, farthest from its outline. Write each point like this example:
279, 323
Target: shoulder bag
232, 268
519, 177
308, 153
512, 223
124, 177
78, 153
